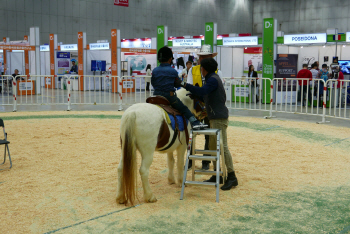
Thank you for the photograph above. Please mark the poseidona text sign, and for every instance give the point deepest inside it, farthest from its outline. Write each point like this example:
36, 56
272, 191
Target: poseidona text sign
239, 41
305, 38
187, 42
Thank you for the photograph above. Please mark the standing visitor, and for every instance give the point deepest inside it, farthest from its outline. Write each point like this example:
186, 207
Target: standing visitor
148, 76
304, 89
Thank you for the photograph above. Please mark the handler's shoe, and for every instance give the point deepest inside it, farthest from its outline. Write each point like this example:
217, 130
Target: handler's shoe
213, 179
230, 182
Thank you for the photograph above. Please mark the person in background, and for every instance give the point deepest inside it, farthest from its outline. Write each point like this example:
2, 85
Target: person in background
148, 74
184, 73
253, 74
74, 67
318, 65
338, 75
314, 70
163, 79
194, 77
17, 74
214, 96
324, 75
304, 87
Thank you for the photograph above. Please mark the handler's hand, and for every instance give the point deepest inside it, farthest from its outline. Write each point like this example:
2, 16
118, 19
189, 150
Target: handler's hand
178, 83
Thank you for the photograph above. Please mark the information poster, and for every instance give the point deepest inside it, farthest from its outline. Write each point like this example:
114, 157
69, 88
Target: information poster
63, 62
286, 67
137, 63
253, 56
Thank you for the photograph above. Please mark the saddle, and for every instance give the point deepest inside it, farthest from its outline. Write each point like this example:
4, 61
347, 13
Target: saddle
165, 105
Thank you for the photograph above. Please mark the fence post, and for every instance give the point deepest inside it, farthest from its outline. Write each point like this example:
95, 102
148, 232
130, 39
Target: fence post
69, 98
14, 95
271, 100
120, 91
324, 103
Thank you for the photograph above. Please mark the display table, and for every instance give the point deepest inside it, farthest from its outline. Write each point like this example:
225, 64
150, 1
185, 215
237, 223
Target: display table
26, 87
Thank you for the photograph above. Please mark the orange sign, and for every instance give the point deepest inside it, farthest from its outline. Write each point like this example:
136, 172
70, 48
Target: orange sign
26, 58
114, 56
16, 47
52, 61
4, 39
81, 60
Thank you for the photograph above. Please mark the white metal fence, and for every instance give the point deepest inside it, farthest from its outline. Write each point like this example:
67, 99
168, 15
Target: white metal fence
286, 95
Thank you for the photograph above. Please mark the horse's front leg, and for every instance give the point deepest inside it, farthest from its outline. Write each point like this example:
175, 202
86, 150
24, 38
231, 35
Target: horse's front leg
144, 172
171, 177
181, 150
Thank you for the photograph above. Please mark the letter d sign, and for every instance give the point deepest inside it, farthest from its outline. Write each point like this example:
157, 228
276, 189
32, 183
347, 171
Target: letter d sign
268, 24
160, 31
208, 29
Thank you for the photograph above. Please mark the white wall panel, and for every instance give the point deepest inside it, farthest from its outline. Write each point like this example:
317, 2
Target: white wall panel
226, 61
237, 62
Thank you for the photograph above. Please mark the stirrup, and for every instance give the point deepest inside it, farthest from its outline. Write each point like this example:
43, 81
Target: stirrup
200, 126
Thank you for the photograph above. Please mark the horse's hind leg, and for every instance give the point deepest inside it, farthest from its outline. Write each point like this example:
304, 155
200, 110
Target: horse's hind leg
180, 151
121, 199
171, 177
147, 158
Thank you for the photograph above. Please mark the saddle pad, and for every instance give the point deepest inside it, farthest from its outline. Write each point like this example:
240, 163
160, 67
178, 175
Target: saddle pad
170, 120
179, 121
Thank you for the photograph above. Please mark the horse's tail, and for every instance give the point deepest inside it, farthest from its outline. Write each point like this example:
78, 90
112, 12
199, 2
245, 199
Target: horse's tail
129, 157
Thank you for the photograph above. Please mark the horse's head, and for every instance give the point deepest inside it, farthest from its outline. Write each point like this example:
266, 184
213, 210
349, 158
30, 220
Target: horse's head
193, 103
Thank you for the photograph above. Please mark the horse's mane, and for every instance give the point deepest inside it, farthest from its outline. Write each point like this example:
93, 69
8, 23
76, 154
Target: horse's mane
186, 100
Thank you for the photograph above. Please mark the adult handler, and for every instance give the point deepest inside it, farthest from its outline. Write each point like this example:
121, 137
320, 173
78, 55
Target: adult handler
194, 77
214, 96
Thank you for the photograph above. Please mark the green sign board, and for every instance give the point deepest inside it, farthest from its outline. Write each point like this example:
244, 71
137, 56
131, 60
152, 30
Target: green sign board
268, 47
209, 34
160, 38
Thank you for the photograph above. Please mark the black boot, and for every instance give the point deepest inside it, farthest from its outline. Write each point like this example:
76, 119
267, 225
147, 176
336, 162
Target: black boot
230, 182
205, 165
213, 179
189, 165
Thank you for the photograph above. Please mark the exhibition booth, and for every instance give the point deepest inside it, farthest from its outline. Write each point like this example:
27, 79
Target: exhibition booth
136, 54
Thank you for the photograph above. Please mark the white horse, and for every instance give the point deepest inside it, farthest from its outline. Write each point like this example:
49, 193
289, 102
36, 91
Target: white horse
144, 128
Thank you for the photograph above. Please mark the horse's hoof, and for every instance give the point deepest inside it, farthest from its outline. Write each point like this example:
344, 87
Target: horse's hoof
171, 181
152, 199
121, 200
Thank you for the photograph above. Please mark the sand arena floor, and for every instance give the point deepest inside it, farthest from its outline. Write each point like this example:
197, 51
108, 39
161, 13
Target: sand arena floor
293, 178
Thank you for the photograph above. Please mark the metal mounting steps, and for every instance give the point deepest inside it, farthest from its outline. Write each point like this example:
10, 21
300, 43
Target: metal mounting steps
192, 154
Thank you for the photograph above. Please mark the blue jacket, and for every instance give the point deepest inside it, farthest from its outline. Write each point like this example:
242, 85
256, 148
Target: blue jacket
163, 78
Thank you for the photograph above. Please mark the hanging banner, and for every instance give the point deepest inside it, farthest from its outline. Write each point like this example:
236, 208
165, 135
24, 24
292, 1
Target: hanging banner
253, 56
268, 47
124, 3
209, 34
80, 60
